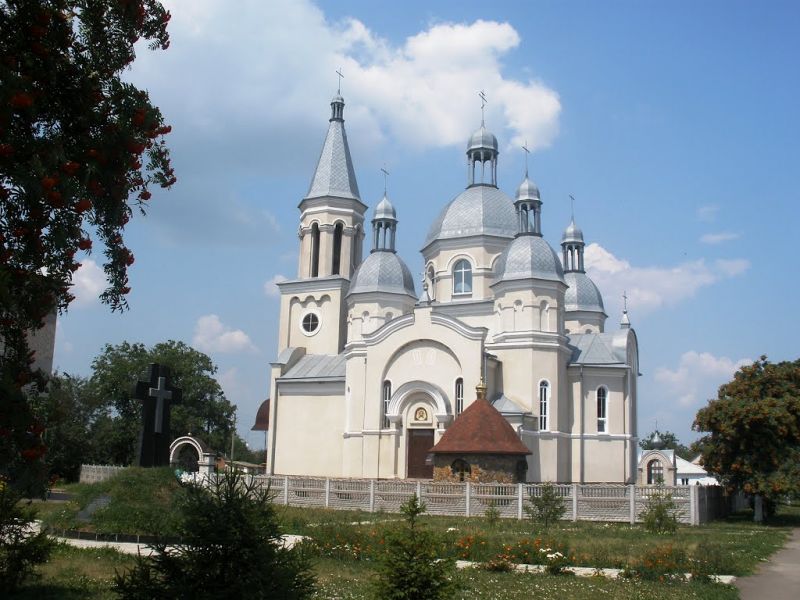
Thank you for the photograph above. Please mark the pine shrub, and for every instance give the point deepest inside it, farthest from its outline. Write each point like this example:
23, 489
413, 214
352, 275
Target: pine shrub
547, 508
658, 516
21, 547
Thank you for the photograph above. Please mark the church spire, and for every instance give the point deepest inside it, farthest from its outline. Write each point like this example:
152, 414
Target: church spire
528, 204
384, 223
572, 246
334, 175
482, 149
625, 322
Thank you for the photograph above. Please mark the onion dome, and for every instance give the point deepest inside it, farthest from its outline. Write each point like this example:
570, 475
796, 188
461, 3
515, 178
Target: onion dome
582, 294
482, 139
572, 233
527, 190
385, 210
262, 417
383, 272
529, 257
478, 210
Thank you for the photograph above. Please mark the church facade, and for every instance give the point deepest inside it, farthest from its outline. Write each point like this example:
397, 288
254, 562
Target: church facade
370, 374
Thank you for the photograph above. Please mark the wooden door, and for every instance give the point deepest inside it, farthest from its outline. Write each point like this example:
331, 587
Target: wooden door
420, 441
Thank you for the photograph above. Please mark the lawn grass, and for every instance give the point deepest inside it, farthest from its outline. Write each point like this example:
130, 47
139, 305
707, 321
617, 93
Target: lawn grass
76, 573
351, 581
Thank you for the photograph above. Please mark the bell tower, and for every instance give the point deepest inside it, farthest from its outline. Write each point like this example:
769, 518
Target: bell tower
331, 236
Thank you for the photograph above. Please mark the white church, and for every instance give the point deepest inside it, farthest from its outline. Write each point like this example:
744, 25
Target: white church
370, 374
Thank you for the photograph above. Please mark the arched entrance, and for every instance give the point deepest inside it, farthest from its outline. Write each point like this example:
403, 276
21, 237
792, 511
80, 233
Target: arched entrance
420, 436
190, 454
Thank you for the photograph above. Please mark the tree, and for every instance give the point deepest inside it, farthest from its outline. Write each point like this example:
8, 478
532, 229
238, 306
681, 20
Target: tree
546, 508
204, 411
669, 441
230, 547
79, 151
21, 547
752, 440
409, 568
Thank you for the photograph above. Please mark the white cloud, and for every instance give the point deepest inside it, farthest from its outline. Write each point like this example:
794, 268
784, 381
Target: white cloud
422, 91
231, 384
211, 335
718, 238
271, 286
707, 212
88, 282
649, 288
697, 376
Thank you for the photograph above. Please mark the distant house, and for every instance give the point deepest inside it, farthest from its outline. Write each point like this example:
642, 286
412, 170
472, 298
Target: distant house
664, 466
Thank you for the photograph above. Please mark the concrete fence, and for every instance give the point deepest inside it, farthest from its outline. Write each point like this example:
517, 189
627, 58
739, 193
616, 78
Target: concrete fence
583, 502
694, 504
97, 473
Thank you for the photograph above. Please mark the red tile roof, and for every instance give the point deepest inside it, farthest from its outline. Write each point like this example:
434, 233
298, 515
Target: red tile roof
480, 429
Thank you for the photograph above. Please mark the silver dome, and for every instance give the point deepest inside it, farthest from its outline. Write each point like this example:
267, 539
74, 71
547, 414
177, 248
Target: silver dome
385, 210
572, 233
383, 272
478, 210
529, 257
482, 138
582, 293
527, 190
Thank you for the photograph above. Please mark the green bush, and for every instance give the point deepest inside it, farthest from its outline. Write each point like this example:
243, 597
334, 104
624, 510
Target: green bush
547, 508
231, 548
492, 515
409, 568
658, 516
20, 548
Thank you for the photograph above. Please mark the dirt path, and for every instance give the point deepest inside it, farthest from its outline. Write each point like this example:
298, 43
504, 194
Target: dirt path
777, 579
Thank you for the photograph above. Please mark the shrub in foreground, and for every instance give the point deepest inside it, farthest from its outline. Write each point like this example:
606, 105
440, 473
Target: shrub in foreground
546, 508
21, 548
231, 548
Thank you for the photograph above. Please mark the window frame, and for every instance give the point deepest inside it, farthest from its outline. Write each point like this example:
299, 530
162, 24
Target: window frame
602, 403
306, 314
386, 398
653, 473
544, 403
460, 277
459, 396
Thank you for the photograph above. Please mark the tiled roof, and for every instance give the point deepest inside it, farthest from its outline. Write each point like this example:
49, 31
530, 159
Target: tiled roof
317, 366
598, 348
383, 271
480, 429
478, 210
334, 175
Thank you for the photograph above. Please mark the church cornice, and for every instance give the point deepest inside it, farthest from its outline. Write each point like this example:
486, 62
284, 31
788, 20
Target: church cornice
466, 307
329, 202
471, 333
313, 284
482, 240
530, 339
376, 337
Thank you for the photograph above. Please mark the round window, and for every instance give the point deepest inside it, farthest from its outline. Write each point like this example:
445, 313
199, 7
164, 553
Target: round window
310, 323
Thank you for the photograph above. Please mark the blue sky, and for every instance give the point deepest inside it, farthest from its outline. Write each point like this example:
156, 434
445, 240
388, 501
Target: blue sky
674, 125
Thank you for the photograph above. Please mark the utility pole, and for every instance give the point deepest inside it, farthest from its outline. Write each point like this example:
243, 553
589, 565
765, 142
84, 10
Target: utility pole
233, 437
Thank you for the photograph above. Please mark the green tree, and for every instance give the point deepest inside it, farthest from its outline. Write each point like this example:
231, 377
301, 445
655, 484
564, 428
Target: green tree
79, 151
409, 568
546, 508
231, 548
669, 441
752, 430
21, 548
204, 410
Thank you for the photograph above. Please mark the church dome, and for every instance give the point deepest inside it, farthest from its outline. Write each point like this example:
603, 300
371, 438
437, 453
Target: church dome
527, 190
385, 210
582, 293
529, 257
482, 138
384, 272
572, 233
478, 210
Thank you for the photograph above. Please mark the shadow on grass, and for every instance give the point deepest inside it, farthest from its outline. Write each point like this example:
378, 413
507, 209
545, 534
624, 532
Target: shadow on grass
44, 591
785, 516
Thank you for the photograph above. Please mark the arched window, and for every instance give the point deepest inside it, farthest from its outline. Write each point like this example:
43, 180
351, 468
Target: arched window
337, 249
462, 277
655, 472
315, 250
602, 410
387, 397
460, 469
544, 401
459, 396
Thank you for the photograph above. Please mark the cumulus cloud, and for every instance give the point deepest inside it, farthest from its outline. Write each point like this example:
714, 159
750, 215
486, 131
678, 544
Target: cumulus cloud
718, 238
422, 91
707, 212
697, 376
88, 282
271, 286
211, 335
649, 288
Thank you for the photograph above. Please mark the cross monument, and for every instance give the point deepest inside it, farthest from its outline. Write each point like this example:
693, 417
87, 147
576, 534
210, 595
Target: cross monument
157, 394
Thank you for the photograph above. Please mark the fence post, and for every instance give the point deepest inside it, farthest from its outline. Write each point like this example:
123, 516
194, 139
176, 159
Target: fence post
519, 501
286, 490
574, 502
327, 492
467, 491
371, 495
694, 514
419, 491
632, 509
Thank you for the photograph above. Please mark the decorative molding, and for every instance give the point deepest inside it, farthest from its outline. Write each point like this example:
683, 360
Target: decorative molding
377, 336
313, 284
467, 331
405, 391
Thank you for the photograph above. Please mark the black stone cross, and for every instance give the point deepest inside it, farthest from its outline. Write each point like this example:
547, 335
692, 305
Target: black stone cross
157, 394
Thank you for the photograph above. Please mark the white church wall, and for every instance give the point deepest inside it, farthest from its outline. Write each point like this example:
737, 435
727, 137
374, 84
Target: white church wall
480, 251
